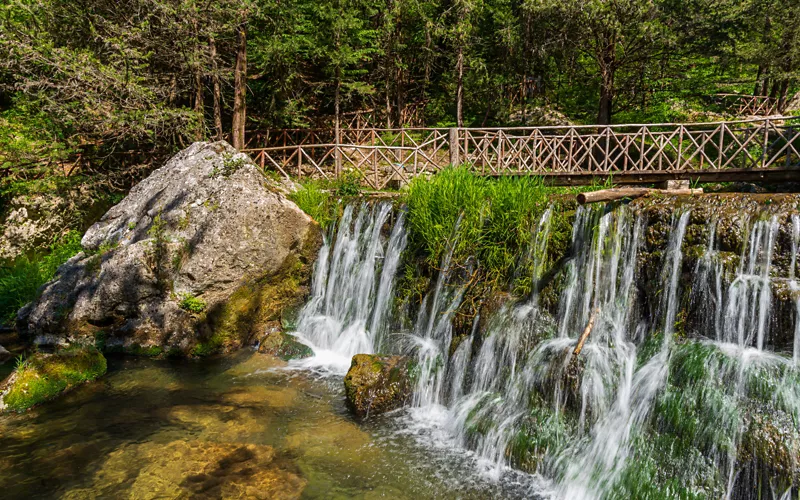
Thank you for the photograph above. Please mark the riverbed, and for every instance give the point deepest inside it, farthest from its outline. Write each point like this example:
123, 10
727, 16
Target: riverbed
244, 425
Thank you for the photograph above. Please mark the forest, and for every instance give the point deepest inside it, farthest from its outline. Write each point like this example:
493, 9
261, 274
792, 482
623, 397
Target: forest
96, 77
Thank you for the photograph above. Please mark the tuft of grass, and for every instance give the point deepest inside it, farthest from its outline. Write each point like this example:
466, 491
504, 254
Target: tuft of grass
316, 202
495, 217
21, 279
191, 303
42, 377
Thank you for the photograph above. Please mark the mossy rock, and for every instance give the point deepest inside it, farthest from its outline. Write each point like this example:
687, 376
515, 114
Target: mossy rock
284, 346
376, 384
44, 376
257, 304
771, 447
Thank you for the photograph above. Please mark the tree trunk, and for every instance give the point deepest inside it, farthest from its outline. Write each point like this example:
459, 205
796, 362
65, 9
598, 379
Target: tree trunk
212, 46
338, 121
782, 95
460, 87
758, 79
239, 87
607, 62
198, 103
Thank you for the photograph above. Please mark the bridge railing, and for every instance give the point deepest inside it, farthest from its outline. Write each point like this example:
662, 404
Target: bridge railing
749, 105
565, 154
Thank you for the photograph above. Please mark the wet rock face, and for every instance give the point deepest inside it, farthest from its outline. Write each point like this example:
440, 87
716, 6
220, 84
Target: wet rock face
284, 346
377, 384
161, 265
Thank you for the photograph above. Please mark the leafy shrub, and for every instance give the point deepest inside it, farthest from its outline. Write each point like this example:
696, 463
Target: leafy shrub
21, 279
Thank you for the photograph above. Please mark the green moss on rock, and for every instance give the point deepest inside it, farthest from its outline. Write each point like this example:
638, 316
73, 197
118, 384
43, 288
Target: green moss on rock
284, 346
377, 384
44, 376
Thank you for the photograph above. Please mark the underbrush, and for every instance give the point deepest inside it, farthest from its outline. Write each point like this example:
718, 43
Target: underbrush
21, 279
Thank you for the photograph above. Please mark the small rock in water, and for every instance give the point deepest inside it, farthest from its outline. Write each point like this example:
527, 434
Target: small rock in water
284, 346
376, 384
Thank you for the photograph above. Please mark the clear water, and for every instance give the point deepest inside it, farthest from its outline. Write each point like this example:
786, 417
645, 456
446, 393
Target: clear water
238, 426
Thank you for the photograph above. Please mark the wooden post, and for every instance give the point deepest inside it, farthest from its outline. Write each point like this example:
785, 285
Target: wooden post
721, 157
299, 163
455, 157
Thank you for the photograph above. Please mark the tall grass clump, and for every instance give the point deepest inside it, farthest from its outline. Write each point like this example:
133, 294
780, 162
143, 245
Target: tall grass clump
495, 217
316, 202
21, 278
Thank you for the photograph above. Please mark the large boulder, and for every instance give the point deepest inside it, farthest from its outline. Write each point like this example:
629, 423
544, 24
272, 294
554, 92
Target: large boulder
377, 384
198, 257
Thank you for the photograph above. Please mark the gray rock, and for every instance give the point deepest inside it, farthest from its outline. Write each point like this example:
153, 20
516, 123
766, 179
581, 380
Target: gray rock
4, 355
200, 226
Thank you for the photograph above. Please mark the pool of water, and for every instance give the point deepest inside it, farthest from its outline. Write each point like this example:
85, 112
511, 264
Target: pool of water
240, 426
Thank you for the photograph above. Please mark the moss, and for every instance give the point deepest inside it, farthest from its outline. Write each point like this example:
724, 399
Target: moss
258, 303
284, 346
43, 377
377, 384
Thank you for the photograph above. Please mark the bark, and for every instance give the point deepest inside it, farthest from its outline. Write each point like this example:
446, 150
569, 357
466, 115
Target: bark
338, 120
586, 332
239, 87
634, 192
607, 61
198, 103
460, 89
212, 47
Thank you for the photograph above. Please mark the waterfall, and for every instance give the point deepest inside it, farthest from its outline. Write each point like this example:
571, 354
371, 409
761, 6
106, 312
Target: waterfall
584, 417
595, 463
352, 287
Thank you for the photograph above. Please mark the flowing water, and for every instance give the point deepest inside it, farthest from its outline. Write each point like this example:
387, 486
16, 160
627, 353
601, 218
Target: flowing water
241, 427
614, 395
592, 415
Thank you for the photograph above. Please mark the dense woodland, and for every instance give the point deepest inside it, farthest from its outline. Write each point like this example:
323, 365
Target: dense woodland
103, 76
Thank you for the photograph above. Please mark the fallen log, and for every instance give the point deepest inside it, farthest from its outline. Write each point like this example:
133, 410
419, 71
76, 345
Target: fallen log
586, 332
632, 192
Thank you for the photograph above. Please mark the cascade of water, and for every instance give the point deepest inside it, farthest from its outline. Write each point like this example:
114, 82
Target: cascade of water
595, 463
750, 294
707, 290
352, 286
793, 286
497, 390
433, 333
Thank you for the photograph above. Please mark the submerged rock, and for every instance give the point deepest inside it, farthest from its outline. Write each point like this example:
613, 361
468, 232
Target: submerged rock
197, 469
377, 384
45, 376
197, 258
284, 346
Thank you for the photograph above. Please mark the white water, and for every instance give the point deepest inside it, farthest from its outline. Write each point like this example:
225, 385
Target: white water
353, 281
477, 394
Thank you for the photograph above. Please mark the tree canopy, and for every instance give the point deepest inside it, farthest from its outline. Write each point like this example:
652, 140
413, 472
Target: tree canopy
157, 74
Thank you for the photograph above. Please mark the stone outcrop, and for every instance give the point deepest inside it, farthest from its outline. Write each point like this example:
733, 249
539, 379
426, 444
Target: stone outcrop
198, 257
377, 384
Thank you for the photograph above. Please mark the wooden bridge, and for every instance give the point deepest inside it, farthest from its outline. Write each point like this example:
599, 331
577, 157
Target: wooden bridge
765, 149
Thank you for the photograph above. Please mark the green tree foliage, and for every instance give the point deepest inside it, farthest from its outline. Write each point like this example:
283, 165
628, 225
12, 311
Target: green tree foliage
101, 76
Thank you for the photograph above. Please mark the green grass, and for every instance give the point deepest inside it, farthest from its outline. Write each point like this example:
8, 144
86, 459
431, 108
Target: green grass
21, 279
42, 377
316, 202
497, 219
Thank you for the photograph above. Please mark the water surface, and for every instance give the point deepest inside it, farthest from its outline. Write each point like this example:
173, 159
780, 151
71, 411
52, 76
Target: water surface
240, 426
